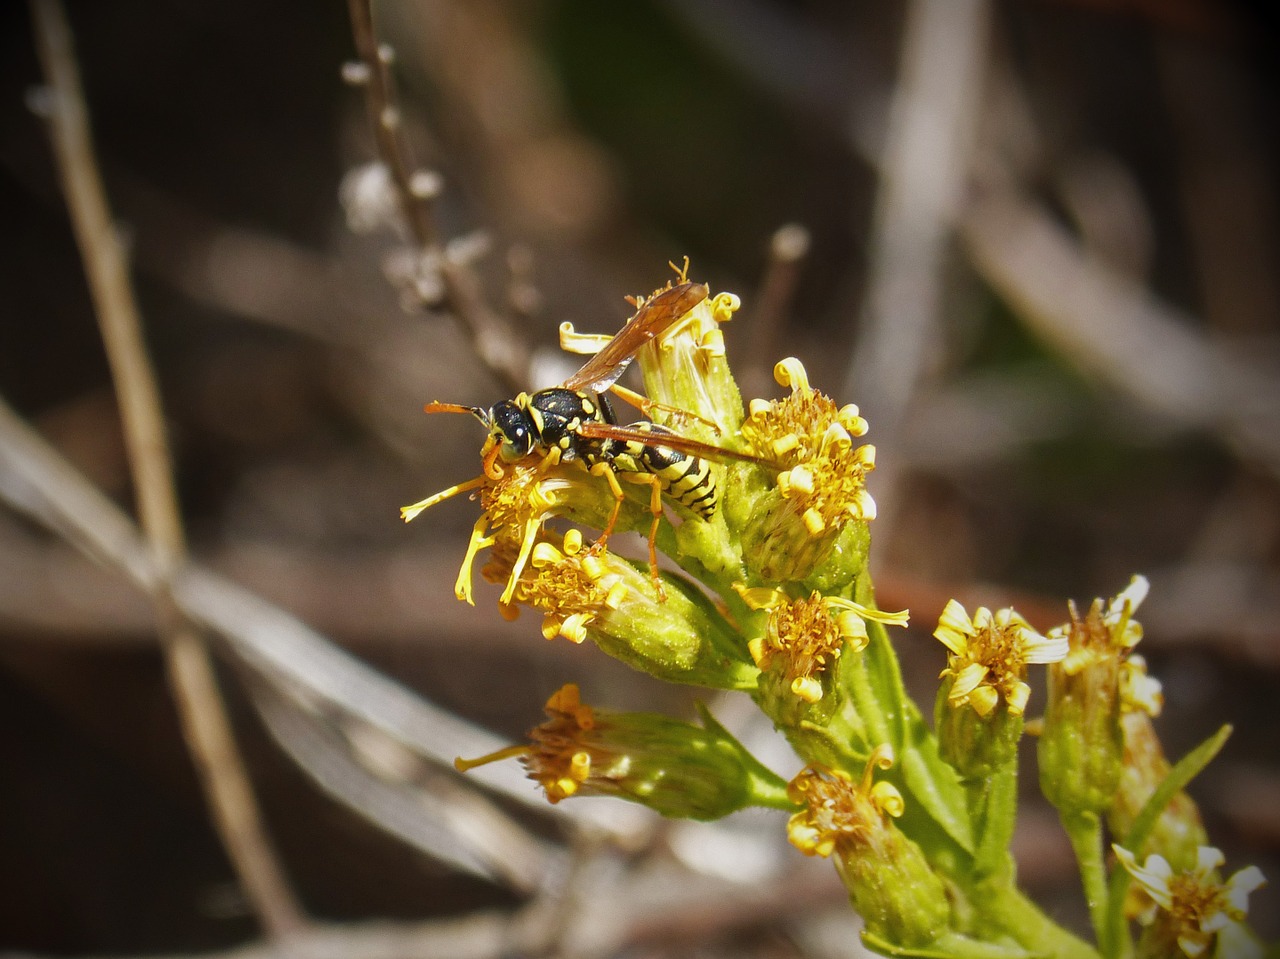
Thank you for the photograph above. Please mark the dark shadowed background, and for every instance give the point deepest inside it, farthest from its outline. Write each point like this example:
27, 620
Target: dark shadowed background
1051, 280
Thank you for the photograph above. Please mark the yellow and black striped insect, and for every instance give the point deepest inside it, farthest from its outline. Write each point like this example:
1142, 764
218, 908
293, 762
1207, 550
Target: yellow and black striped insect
577, 421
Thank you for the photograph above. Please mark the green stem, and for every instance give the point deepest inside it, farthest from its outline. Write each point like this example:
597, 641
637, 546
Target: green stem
1022, 919
1084, 829
867, 704
994, 802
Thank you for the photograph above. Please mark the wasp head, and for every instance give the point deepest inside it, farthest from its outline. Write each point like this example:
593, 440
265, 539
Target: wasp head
511, 426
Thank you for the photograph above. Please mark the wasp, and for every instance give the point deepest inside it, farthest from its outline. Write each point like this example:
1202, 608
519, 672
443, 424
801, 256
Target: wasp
575, 421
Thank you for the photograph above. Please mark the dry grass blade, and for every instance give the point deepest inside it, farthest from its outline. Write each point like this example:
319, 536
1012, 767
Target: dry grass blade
205, 723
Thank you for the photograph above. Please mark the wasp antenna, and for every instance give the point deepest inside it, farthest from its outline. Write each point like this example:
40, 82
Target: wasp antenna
435, 406
478, 412
409, 512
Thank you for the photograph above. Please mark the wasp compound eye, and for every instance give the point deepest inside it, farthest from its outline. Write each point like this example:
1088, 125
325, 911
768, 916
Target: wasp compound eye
512, 424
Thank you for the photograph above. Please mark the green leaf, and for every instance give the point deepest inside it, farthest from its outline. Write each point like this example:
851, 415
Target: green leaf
933, 784
951, 946
1178, 779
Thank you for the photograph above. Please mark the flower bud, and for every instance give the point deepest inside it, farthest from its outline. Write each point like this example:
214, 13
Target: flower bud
675, 768
890, 883
1179, 831
686, 369
820, 487
586, 594
975, 745
984, 691
1082, 747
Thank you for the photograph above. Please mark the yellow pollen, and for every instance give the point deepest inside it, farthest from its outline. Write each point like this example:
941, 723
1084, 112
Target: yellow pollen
798, 479
617, 593
803, 637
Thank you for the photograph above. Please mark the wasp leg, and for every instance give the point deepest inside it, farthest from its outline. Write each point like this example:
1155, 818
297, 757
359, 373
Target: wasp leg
611, 476
647, 406
655, 507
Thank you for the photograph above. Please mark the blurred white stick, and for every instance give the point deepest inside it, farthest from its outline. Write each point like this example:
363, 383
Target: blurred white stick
923, 171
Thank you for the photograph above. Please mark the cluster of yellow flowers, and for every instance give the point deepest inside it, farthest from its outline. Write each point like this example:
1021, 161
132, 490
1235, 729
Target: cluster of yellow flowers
766, 514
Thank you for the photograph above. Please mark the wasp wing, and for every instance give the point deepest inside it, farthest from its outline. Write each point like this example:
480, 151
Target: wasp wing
655, 317
668, 440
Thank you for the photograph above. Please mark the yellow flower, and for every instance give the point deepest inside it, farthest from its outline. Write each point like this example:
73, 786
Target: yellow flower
593, 594
989, 657
890, 882
516, 499
822, 472
803, 637
571, 586
840, 815
1194, 908
557, 757
820, 483
1103, 634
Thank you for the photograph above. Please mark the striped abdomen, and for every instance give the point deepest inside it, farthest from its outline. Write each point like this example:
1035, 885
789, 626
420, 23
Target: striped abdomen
684, 478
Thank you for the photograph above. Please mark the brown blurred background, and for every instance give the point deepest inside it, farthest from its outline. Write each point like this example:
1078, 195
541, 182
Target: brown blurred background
1037, 242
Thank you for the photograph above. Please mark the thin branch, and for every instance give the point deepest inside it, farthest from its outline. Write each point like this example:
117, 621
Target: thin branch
923, 172
394, 789
205, 724
495, 343
1110, 325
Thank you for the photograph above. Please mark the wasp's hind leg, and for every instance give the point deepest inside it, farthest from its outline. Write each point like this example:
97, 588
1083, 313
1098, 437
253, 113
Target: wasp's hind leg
610, 473
655, 507
605, 469
648, 406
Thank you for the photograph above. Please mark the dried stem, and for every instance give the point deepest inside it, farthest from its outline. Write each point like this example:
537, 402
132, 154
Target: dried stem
191, 674
495, 343
922, 177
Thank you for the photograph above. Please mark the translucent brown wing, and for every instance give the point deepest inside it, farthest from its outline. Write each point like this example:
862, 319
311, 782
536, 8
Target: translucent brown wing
651, 320
673, 441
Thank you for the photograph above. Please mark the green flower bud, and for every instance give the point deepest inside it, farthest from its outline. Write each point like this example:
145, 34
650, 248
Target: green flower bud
890, 883
975, 745
1082, 747
675, 634
675, 768
685, 370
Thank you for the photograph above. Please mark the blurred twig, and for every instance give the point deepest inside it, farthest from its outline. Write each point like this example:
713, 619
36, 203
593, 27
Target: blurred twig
391, 787
205, 724
1109, 325
788, 248
923, 172
495, 343
477, 936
